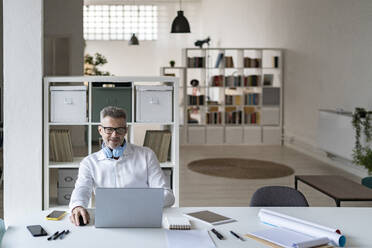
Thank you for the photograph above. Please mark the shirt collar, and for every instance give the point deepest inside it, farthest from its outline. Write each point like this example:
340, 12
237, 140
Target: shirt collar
128, 150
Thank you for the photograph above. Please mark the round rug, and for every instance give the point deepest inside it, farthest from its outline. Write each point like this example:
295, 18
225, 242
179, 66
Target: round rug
240, 168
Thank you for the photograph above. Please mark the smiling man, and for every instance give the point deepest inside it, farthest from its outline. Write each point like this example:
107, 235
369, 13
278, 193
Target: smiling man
117, 165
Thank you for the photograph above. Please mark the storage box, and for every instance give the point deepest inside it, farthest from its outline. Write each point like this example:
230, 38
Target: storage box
64, 195
67, 178
68, 104
118, 96
272, 135
270, 116
215, 135
234, 135
154, 103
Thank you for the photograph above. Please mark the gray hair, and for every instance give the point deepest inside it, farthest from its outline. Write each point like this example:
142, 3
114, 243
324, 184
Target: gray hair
113, 112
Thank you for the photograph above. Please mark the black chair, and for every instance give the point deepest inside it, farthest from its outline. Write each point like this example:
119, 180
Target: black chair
278, 196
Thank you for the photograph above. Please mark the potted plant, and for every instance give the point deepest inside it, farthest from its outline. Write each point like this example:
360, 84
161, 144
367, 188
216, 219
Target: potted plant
172, 63
362, 152
91, 65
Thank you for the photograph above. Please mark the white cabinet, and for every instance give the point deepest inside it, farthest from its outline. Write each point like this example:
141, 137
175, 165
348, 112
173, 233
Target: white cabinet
70, 104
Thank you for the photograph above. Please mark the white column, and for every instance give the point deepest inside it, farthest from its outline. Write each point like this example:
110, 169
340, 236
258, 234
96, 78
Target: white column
23, 35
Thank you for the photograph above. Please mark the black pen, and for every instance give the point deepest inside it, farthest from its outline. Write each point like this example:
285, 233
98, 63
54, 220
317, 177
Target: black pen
236, 235
63, 235
55, 234
219, 235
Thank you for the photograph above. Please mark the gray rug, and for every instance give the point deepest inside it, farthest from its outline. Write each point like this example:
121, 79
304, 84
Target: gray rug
240, 168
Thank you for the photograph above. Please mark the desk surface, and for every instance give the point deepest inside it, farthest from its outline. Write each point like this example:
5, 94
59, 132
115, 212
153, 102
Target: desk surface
354, 223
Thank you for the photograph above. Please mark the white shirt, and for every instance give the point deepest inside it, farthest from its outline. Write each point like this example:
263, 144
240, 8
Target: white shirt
138, 167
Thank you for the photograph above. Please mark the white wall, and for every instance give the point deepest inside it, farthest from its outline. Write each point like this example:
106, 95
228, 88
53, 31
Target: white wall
147, 58
23, 107
328, 50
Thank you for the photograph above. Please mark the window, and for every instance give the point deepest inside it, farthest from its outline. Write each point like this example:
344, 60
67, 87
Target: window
119, 22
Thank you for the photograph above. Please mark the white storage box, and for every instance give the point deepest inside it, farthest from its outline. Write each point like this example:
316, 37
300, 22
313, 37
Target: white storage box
67, 177
154, 103
64, 195
68, 103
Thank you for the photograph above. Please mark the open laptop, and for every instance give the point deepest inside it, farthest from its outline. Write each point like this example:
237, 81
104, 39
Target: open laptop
129, 207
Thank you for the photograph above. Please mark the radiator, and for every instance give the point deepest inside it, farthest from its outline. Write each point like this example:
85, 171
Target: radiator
335, 133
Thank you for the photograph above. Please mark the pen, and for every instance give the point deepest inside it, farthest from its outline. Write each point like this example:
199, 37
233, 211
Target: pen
61, 233
237, 236
55, 234
219, 235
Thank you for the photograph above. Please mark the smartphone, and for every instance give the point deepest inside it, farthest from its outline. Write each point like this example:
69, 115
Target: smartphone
56, 215
37, 231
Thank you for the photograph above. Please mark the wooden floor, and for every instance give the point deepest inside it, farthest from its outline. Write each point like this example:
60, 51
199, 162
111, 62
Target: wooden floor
202, 190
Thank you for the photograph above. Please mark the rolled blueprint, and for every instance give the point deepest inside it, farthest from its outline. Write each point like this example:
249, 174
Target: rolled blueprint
302, 226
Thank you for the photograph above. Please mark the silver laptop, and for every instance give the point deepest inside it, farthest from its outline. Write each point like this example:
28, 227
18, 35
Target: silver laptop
129, 207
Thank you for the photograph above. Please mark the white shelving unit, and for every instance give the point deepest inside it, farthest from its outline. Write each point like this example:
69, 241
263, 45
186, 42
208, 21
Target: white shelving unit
221, 108
135, 134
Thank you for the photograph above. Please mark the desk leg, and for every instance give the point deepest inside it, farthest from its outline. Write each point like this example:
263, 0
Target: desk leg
295, 183
338, 203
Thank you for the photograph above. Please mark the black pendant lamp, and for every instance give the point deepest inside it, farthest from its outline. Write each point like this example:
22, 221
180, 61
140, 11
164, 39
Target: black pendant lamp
133, 40
180, 24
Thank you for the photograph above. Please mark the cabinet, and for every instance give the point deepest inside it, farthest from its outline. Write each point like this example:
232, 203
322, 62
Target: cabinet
232, 95
101, 91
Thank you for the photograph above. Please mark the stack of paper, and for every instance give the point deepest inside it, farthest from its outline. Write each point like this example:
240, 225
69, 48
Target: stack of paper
293, 232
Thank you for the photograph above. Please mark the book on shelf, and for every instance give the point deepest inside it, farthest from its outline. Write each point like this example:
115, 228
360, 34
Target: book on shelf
251, 81
251, 116
210, 217
233, 81
232, 115
233, 99
214, 117
60, 146
229, 62
251, 98
159, 142
219, 59
196, 100
196, 62
252, 62
217, 80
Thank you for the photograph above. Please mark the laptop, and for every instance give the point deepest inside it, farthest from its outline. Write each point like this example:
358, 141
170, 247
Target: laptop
129, 207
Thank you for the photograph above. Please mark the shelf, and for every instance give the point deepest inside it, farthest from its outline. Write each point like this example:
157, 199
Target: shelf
68, 124
168, 164
74, 164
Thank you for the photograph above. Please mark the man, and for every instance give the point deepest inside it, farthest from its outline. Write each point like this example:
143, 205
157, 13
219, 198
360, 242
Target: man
118, 164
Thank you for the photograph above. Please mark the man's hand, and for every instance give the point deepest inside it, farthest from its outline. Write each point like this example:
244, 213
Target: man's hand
76, 213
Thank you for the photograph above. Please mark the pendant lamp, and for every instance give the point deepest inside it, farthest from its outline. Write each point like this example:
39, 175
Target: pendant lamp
180, 24
133, 40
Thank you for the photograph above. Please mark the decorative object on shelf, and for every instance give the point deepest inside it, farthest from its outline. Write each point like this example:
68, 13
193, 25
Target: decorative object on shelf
172, 63
133, 40
200, 43
180, 24
362, 152
91, 65
194, 82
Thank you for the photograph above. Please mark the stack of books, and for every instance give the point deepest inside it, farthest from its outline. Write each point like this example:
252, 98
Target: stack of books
60, 146
159, 141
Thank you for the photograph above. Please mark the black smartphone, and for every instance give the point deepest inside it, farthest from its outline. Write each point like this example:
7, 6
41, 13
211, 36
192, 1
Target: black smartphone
37, 231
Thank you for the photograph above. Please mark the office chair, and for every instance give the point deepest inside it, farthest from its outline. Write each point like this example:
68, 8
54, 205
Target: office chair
278, 196
367, 181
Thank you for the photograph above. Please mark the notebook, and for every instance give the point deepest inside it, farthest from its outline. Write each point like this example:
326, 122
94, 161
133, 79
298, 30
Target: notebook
177, 223
210, 217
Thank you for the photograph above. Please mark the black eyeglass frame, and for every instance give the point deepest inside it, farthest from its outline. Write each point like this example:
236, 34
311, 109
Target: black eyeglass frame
114, 129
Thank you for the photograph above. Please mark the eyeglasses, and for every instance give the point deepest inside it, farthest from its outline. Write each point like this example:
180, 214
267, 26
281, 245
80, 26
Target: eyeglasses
110, 130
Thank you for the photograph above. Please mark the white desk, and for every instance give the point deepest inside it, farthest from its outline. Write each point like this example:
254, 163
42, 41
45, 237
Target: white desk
355, 224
